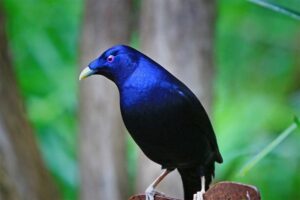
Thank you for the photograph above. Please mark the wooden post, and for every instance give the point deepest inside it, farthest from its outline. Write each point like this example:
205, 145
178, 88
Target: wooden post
219, 191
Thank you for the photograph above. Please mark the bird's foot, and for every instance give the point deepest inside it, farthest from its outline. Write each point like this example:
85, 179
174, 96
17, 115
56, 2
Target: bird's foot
199, 195
151, 192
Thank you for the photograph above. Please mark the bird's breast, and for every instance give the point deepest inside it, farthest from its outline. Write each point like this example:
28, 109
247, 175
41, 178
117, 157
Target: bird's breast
151, 112
158, 119
139, 106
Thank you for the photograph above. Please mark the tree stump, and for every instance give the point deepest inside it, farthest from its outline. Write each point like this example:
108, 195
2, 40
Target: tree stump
220, 191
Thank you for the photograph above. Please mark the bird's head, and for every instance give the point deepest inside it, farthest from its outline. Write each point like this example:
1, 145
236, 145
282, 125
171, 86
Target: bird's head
116, 63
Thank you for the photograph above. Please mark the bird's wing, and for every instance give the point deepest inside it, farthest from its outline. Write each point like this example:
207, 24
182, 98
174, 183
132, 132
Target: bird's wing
199, 116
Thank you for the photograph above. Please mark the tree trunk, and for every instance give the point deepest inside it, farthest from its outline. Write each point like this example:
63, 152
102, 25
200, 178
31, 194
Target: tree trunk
22, 172
102, 135
179, 35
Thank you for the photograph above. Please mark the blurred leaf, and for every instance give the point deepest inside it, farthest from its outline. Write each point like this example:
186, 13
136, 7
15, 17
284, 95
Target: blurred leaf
44, 39
297, 121
277, 8
267, 149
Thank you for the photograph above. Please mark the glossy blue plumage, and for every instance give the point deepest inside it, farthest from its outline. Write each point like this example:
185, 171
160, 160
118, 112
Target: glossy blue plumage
162, 115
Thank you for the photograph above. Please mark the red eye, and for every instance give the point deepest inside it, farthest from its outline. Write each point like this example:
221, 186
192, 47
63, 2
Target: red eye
110, 58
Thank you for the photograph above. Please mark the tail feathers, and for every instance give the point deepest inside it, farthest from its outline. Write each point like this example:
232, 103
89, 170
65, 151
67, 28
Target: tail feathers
191, 179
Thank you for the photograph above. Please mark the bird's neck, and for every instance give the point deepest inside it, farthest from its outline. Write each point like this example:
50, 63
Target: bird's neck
136, 87
141, 79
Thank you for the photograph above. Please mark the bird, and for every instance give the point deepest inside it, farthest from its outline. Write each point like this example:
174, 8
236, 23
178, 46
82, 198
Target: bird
163, 116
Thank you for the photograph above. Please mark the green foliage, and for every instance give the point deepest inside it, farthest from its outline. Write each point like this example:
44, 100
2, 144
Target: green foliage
257, 93
268, 148
44, 42
297, 121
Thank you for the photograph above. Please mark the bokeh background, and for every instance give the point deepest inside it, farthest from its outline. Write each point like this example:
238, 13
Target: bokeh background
251, 89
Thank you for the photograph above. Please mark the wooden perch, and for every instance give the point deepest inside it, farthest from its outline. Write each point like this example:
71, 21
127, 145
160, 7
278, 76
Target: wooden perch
219, 191
157, 197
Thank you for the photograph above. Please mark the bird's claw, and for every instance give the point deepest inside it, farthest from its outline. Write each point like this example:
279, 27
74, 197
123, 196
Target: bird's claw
199, 195
151, 192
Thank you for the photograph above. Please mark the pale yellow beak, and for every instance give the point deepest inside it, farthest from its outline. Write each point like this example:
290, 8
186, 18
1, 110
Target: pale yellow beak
86, 72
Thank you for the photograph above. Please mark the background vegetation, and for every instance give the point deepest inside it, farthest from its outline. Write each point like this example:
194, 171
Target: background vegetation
256, 88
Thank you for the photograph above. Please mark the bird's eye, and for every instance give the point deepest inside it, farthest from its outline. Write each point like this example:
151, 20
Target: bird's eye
110, 58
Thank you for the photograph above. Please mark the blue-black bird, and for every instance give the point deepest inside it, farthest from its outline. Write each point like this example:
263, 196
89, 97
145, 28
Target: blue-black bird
163, 116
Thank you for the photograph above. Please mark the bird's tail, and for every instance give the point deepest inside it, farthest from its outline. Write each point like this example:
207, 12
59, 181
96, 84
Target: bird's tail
191, 179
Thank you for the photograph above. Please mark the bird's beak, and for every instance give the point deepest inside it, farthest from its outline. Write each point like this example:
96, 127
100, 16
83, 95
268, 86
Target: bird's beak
86, 72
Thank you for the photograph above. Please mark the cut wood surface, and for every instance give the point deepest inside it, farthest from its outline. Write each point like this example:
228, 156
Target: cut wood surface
219, 191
